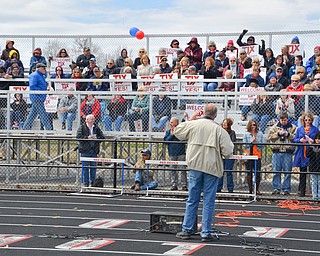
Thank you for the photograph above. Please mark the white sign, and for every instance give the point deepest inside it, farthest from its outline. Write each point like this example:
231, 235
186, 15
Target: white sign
191, 86
248, 99
190, 108
155, 86
151, 86
104, 224
85, 244
232, 53
20, 89
51, 103
156, 59
63, 86
61, 62
251, 50
296, 49
6, 239
120, 86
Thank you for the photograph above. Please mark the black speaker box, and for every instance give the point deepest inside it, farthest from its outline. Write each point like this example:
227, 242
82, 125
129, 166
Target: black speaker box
168, 222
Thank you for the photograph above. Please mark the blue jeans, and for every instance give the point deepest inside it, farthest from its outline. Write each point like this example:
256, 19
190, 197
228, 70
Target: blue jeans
37, 108
69, 117
245, 109
108, 123
160, 125
315, 186
16, 116
264, 121
282, 162
198, 182
209, 86
227, 165
88, 168
136, 116
149, 185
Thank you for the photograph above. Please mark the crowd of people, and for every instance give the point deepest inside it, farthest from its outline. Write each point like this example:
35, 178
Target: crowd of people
284, 72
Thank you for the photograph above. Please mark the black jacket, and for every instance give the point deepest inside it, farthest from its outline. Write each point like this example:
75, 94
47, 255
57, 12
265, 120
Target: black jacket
89, 146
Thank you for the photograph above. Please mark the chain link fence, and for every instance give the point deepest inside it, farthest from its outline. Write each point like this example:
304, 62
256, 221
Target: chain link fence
49, 159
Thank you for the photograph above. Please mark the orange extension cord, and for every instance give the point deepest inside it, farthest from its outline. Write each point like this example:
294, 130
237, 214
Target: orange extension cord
287, 204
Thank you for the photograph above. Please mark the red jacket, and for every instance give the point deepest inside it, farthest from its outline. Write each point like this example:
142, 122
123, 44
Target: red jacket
95, 109
194, 55
296, 98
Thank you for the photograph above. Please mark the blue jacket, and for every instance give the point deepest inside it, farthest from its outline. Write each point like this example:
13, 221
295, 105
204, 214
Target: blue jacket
260, 80
98, 86
37, 82
174, 149
310, 64
299, 159
34, 60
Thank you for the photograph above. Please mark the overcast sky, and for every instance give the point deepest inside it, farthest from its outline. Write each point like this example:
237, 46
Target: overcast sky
156, 16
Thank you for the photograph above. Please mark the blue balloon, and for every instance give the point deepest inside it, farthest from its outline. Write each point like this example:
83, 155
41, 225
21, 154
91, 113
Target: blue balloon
133, 31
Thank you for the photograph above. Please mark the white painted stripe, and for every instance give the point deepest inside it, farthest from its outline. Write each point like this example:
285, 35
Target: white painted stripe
104, 223
88, 244
6, 239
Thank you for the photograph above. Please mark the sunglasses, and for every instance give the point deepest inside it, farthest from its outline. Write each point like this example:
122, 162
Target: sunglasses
126, 62
110, 63
164, 60
300, 72
141, 52
294, 81
279, 71
175, 44
232, 61
242, 53
212, 46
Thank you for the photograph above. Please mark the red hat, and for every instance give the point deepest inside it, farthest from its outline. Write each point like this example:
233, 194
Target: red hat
194, 40
37, 51
317, 47
230, 42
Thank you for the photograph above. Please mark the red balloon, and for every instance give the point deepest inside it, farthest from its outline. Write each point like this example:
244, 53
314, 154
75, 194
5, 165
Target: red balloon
140, 35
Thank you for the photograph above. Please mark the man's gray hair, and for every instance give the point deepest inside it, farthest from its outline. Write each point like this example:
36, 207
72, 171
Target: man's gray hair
210, 110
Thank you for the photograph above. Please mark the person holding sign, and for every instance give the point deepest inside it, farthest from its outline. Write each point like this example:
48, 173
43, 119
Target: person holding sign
37, 82
89, 146
250, 41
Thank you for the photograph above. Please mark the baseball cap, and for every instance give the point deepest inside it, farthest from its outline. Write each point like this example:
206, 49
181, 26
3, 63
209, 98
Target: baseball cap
146, 151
